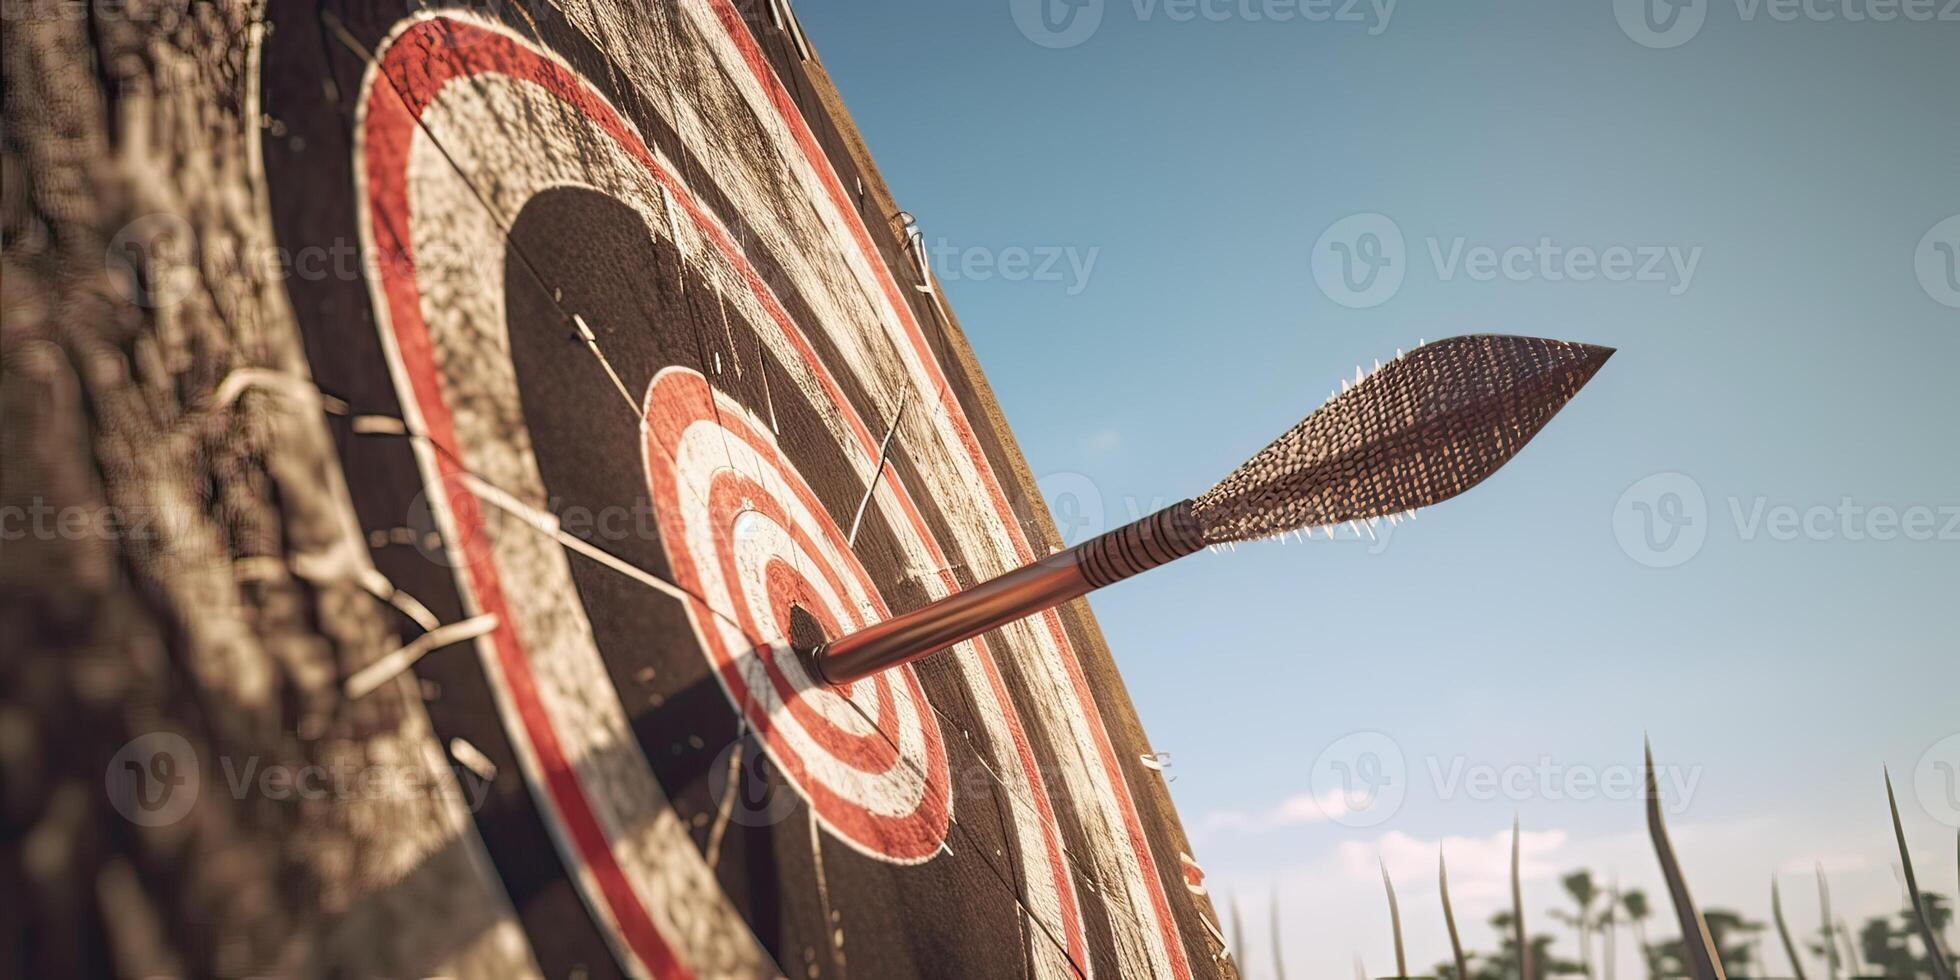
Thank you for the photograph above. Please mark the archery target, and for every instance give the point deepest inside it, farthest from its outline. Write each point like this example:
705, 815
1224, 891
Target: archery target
747, 536
612, 272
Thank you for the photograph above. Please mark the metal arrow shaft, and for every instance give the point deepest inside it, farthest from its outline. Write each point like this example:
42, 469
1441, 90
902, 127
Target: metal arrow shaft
1048, 582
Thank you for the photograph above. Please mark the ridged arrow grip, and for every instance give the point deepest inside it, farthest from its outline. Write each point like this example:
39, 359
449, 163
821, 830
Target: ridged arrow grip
1140, 546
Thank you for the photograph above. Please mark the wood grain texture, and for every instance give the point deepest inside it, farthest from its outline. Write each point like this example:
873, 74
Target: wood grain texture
154, 385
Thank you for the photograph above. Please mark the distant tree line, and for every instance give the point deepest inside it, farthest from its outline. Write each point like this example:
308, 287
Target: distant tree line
1600, 920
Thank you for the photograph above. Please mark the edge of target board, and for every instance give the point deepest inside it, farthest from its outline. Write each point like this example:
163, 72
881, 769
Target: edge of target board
969, 384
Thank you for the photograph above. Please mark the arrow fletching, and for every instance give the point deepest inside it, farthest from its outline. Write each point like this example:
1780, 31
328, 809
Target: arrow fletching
1421, 429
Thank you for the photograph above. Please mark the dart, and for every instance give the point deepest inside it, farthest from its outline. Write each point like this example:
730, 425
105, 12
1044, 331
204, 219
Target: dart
1421, 429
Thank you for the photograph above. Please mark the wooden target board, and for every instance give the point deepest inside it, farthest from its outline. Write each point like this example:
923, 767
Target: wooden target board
643, 386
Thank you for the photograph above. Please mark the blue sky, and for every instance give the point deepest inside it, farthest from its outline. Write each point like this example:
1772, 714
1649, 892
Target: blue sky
1131, 226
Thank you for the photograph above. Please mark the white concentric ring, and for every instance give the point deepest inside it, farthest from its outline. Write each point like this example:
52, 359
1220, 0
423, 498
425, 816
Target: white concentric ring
745, 534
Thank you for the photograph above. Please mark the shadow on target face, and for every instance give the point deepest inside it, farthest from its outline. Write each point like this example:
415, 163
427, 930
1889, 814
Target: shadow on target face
596, 688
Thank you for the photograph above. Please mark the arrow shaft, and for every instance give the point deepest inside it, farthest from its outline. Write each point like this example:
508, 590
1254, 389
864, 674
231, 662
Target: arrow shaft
1155, 540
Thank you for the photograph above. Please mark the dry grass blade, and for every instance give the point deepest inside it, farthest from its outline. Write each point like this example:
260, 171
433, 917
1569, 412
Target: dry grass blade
1421, 429
1279, 956
1395, 923
1449, 919
1238, 932
1935, 950
1696, 945
1608, 960
1831, 959
1850, 949
1519, 933
1783, 928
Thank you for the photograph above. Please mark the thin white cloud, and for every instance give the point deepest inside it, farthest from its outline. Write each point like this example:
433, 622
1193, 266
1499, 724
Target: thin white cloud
1480, 867
1105, 440
1831, 863
1294, 811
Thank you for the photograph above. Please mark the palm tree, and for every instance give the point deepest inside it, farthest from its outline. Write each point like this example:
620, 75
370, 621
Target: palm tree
1850, 947
1579, 885
1734, 938
1503, 965
1634, 901
1895, 948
